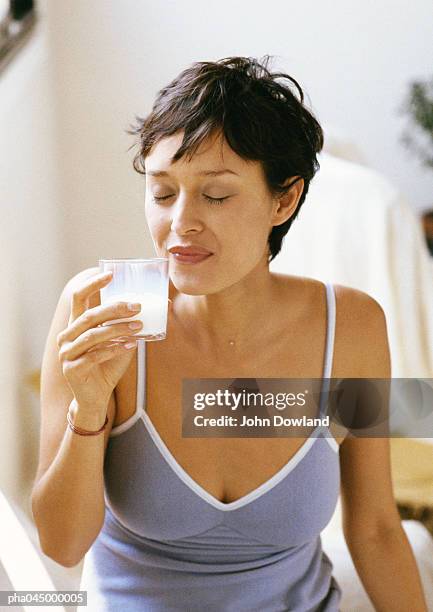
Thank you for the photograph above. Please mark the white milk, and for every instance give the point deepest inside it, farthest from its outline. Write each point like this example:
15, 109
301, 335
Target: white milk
153, 313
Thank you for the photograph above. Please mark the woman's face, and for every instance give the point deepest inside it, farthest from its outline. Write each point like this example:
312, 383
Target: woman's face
217, 201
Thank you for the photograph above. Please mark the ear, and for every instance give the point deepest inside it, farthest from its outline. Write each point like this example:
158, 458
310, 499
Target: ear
286, 204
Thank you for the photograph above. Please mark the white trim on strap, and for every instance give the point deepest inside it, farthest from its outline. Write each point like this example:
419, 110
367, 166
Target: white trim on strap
141, 379
330, 329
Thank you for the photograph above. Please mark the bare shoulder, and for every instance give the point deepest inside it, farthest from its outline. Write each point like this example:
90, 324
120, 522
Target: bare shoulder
75, 281
353, 304
86, 273
81, 275
356, 303
361, 348
361, 331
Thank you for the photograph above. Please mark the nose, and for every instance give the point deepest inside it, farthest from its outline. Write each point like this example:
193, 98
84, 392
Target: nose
185, 216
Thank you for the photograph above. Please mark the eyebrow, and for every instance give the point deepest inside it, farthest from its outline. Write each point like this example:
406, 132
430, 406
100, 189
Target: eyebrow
204, 173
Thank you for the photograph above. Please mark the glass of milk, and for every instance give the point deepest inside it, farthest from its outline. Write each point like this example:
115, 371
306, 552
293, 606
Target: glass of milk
144, 281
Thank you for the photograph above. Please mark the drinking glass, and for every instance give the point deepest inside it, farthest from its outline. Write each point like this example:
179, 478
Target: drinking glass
144, 281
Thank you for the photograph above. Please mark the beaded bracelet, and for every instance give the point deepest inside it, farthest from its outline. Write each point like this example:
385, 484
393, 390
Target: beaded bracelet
85, 432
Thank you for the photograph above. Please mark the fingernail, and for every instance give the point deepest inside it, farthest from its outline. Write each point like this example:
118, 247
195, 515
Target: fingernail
135, 325
134, 306
129, 345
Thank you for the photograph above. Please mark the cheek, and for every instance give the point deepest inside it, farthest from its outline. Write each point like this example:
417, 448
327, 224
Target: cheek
244, 238
155, 220
254, 223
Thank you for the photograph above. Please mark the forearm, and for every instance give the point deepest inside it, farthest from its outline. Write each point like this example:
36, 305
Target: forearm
68, 500
387, 569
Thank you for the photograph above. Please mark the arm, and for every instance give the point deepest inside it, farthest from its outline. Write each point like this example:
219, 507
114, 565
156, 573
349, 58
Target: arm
68, 509
372, 528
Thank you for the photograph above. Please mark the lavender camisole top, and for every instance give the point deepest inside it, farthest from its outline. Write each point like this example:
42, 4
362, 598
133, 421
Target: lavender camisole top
168, 545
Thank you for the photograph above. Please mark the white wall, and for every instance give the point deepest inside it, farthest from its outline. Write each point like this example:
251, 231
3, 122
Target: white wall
354, 60
31, 256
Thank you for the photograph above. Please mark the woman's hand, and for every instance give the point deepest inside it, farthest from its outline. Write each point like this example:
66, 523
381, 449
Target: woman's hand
91, 362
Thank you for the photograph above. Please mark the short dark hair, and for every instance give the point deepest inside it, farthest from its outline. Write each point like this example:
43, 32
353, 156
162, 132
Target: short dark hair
259, 116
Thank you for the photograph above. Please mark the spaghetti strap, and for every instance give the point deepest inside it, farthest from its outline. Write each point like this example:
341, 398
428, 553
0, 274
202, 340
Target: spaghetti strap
330, 330
329, 345
140, 394
141, 375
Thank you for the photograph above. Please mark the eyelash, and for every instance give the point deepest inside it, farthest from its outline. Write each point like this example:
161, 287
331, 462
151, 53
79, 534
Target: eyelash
211, 200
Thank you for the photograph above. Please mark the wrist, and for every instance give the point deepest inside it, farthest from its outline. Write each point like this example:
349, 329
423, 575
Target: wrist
85, 417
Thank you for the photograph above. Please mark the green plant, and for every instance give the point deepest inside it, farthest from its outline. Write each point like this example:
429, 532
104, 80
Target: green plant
419, 106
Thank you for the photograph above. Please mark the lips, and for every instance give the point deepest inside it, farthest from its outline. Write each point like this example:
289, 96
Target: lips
189, 253
189, 250
198, 257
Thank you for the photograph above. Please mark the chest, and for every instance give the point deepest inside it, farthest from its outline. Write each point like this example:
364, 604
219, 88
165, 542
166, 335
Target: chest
226, 468
155, 498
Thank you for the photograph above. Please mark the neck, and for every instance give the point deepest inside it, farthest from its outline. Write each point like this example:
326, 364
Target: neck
230, 319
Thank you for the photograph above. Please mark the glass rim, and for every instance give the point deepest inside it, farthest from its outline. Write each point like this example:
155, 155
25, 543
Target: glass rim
125, 259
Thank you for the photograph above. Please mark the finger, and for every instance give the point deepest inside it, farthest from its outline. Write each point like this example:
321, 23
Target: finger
95, 336
81, 295
110, 343
94, 317
99, 355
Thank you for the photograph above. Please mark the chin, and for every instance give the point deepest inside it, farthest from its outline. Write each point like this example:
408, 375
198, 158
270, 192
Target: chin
191, 288
190, 285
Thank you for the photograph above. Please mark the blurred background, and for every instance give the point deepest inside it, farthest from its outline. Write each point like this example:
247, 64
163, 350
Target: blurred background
73, 75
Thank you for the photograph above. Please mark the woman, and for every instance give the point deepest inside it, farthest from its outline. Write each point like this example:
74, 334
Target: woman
217, 524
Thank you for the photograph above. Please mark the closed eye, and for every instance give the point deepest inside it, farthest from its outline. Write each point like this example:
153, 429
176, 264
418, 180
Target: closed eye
161, 198
208, 198
215, 200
